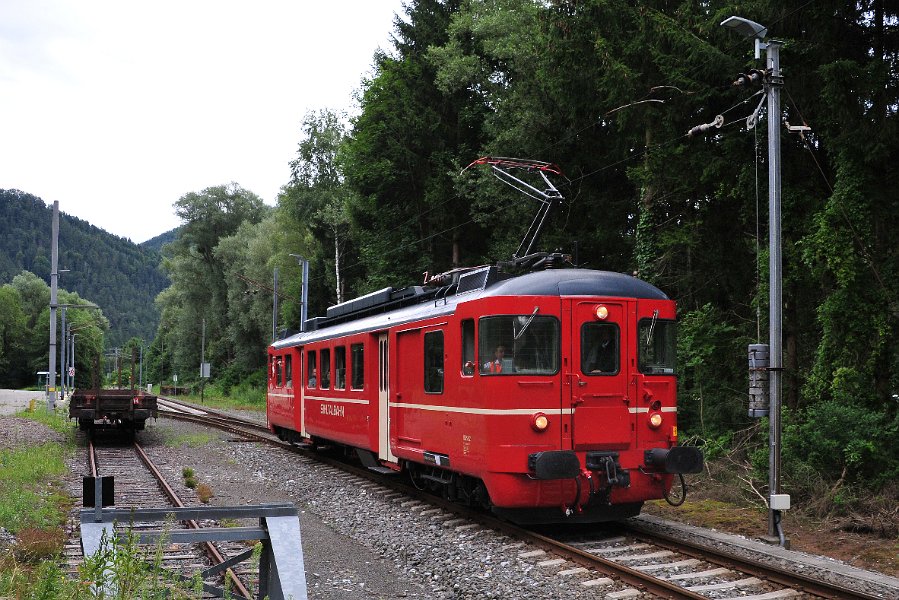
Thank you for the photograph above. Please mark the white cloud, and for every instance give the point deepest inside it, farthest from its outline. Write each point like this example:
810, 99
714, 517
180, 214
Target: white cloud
117, 109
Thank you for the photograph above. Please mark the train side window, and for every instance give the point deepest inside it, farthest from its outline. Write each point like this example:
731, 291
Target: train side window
468, 347
288, 371
271, 371
340, 368
310, 369
279, 372
326, 369
434, 362
600, 349
357, 356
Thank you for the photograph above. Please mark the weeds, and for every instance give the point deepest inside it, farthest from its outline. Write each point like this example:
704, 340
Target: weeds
190, 479
204, 493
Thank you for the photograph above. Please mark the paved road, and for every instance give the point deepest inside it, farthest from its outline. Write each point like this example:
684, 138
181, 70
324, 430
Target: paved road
12, 401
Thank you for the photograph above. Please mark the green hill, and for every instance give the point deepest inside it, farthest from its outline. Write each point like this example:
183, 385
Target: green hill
122, 277
161, 240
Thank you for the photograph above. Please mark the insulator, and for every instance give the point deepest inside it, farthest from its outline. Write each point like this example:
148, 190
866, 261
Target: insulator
759, 362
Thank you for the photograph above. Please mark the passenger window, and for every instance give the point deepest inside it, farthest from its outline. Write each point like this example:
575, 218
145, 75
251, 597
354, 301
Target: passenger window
600, 353
357, 354
434, 362
340, 368
288, 371
326, 369
518, 345
468, 347
310, 369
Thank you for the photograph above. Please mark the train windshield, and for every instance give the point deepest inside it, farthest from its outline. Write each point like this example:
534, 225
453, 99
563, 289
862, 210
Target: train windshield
518, 345
657, 349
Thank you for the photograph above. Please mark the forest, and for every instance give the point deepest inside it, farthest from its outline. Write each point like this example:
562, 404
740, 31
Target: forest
120, 276
607, 90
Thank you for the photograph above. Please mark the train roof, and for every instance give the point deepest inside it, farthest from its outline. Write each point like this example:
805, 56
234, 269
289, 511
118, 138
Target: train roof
362, 314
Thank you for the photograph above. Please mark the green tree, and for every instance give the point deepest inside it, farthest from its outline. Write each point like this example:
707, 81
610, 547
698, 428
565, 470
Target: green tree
199, 290
406, 147
13, 331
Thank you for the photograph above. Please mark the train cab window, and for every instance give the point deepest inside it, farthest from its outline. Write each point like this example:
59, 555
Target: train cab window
272, 382
357, 356
310, 369
288, 371
325, 382
434, 362
600, 349
340, 368
657, 350
468, 347
518, 345
279, 372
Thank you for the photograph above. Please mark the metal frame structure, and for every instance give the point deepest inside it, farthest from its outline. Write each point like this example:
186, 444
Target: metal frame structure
281, 570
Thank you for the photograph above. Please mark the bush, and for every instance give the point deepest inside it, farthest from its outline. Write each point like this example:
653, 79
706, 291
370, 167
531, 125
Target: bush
843, 442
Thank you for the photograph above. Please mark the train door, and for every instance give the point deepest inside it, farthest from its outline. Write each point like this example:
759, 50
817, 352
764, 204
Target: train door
384, 429
299, 386
603, 415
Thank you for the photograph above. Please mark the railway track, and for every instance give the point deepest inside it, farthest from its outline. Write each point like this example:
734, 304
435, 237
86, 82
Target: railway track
623, 564
140, 484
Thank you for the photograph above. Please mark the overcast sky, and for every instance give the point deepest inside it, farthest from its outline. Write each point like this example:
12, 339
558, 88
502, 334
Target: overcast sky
119, 108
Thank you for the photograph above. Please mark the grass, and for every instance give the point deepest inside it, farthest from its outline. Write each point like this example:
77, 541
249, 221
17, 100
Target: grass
193, 440
242, 397
32, 495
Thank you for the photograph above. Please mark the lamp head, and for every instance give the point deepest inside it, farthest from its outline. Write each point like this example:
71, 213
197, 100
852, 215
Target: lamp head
749, 29
745, 27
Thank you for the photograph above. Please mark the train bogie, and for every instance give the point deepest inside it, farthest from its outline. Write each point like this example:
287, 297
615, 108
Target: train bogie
550, 396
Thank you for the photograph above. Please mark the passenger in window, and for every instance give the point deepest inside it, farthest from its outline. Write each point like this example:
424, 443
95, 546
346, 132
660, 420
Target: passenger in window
603, 355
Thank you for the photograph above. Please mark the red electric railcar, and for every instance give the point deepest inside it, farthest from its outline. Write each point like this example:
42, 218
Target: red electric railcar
548, 396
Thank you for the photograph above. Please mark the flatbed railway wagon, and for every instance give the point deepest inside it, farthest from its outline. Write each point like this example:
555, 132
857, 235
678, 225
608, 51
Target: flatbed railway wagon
548, 396
121, 409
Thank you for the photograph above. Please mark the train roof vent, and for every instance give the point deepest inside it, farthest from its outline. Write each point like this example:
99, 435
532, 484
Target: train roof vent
314, 323
360, 303
477, 280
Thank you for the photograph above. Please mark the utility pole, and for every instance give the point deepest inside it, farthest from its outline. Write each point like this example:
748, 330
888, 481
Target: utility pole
275, 308
54, 262
773, 81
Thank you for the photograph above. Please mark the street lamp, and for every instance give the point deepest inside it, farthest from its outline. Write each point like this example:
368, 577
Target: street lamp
305, 293
773, 82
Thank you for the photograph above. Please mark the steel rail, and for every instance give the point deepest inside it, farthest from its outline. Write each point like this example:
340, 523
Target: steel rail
638, 579
658, 587
210, 548
770, 573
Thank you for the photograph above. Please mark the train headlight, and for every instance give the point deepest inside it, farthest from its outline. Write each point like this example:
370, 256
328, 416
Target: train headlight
539, 422
655, 420
602, 312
